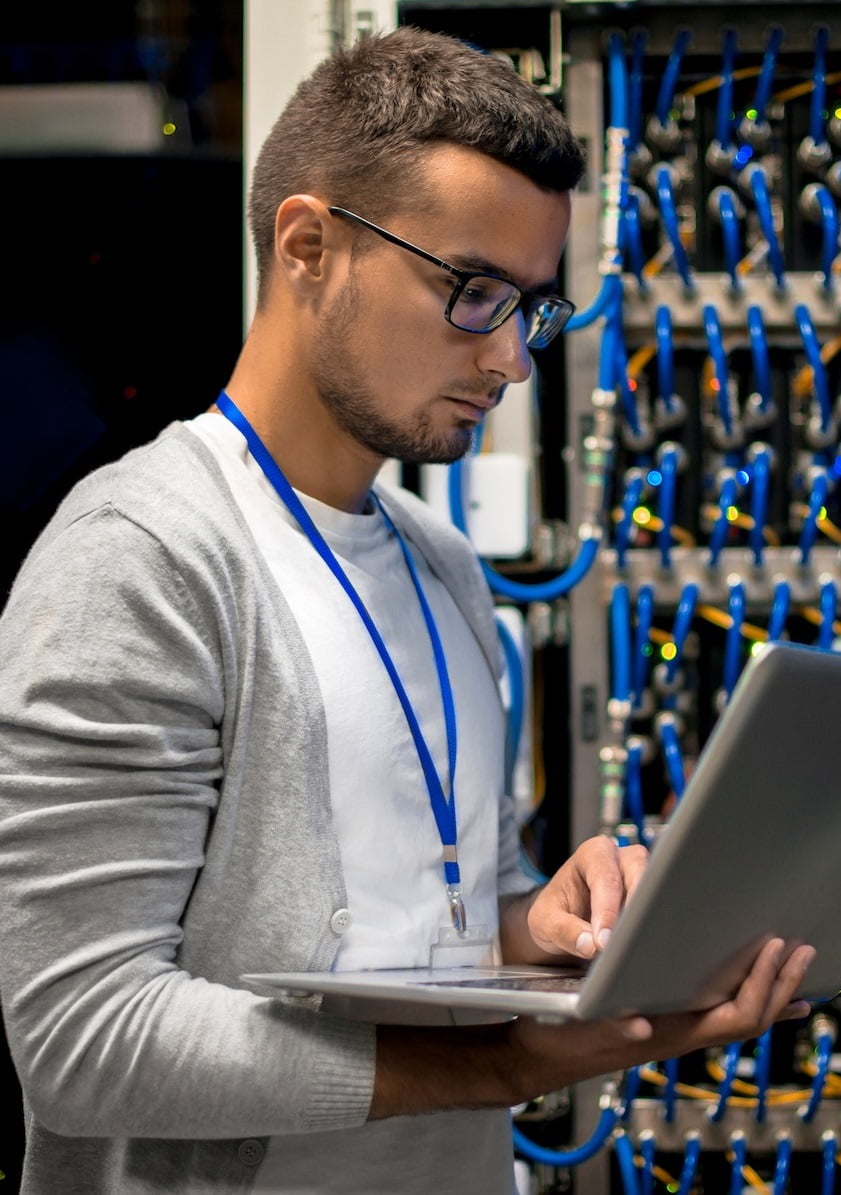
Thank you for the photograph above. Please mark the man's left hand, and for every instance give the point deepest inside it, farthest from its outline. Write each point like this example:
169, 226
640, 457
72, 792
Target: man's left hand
576, 910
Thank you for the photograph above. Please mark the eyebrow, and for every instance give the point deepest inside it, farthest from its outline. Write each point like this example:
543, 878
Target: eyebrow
473, 262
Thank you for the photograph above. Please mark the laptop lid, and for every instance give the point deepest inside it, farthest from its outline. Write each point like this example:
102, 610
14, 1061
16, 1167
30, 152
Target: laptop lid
752, 851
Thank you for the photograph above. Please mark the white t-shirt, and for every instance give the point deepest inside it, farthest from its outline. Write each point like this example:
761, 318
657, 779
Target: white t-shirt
393, 873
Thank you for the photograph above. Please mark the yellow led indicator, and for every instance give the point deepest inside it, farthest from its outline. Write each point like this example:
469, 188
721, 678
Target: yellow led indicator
837, 113
668, 651
168, 129
642, 515
732, 514
822, 513
751, 114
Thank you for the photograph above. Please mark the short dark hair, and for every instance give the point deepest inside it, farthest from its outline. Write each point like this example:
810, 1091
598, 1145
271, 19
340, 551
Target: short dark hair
355, 129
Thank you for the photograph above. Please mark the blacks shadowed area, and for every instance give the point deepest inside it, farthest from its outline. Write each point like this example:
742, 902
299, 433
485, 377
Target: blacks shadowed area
121, 303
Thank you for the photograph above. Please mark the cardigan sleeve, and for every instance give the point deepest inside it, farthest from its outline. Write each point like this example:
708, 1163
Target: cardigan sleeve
111, 697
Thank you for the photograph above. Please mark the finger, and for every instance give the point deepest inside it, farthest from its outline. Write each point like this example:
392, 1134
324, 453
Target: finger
564, 933
612, 874
770, 988
784, 1003
633, 860
636, 1028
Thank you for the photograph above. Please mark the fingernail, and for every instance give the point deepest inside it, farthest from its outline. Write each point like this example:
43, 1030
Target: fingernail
604, 938
637, 1029
798, 1009
809, 955
585, 946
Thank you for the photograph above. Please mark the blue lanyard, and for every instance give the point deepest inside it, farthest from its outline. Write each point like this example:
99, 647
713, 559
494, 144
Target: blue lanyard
443, 809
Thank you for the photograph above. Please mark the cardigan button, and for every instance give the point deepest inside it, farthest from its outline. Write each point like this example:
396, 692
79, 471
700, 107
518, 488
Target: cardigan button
251, 1152
340, 921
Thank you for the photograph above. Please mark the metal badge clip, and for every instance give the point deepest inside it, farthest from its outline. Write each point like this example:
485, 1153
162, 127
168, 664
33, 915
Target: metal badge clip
457, 912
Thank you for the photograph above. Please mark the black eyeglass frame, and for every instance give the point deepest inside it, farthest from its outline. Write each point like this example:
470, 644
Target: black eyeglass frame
562, 308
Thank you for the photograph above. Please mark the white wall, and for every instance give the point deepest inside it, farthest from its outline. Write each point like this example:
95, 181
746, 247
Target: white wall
283, 41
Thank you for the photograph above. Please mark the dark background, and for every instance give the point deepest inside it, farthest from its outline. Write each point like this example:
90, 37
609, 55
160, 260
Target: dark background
121, 298
121, 306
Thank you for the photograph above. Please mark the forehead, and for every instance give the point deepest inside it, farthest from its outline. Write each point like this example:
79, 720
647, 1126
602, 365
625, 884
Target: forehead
473, 206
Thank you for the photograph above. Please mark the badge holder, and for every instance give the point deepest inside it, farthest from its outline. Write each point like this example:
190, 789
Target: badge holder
472, 947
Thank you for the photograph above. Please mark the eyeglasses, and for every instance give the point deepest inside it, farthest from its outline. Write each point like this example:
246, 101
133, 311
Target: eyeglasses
481, 302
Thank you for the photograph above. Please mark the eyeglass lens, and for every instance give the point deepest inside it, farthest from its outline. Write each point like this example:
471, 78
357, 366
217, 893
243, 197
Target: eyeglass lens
486, 302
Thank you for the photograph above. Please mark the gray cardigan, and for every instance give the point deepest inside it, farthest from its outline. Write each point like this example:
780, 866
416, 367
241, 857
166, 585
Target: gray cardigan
165, 826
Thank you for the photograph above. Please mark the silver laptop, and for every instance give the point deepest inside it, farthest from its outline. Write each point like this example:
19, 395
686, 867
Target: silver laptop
752, 851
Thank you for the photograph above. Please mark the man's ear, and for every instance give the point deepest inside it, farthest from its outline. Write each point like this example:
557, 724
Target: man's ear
305, 238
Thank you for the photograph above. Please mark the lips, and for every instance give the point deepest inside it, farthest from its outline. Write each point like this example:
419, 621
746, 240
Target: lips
468, 409
485, 402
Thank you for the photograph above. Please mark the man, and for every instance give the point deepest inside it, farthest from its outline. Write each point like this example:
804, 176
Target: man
244, 688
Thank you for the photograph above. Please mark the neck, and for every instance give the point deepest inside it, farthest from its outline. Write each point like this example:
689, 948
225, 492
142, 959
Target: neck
317, 457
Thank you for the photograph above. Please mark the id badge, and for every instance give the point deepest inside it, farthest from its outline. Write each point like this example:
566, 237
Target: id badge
474, 947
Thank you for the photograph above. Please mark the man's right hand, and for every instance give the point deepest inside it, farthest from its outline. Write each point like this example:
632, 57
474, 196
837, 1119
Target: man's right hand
427, 1070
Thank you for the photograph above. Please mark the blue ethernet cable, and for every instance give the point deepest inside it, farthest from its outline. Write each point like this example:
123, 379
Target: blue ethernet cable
828, 607
670, 1068
568, 1157
632, 241
665, 96
823, 1051
780, 605
624, 1150
760, 485
620, 639
665, 357
630, 501
633, 788
671, 225
731, 1061
762, 1074
618, 76
782, 1165
609, 351
517, 591
724, 119
733, 642
809, 530
731, 239
683, 622
610, 293
715, 344
546, 591
740, 1153
759, 353
829, 1148
668, 463
638, 43
623, 383
642, 651
516, 685
672, 754
648, 1148
630, 1088
609, 296
727, 498
817, 118
762, 198
766, 73
691, 1157
829, 230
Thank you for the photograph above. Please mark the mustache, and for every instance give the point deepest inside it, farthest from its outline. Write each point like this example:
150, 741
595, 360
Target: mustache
479, 388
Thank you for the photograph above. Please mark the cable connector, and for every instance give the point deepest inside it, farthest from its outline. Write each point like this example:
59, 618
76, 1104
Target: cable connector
614, 182
814, 154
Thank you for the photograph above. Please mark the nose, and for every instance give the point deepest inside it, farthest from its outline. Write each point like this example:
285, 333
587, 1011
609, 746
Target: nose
504, 351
